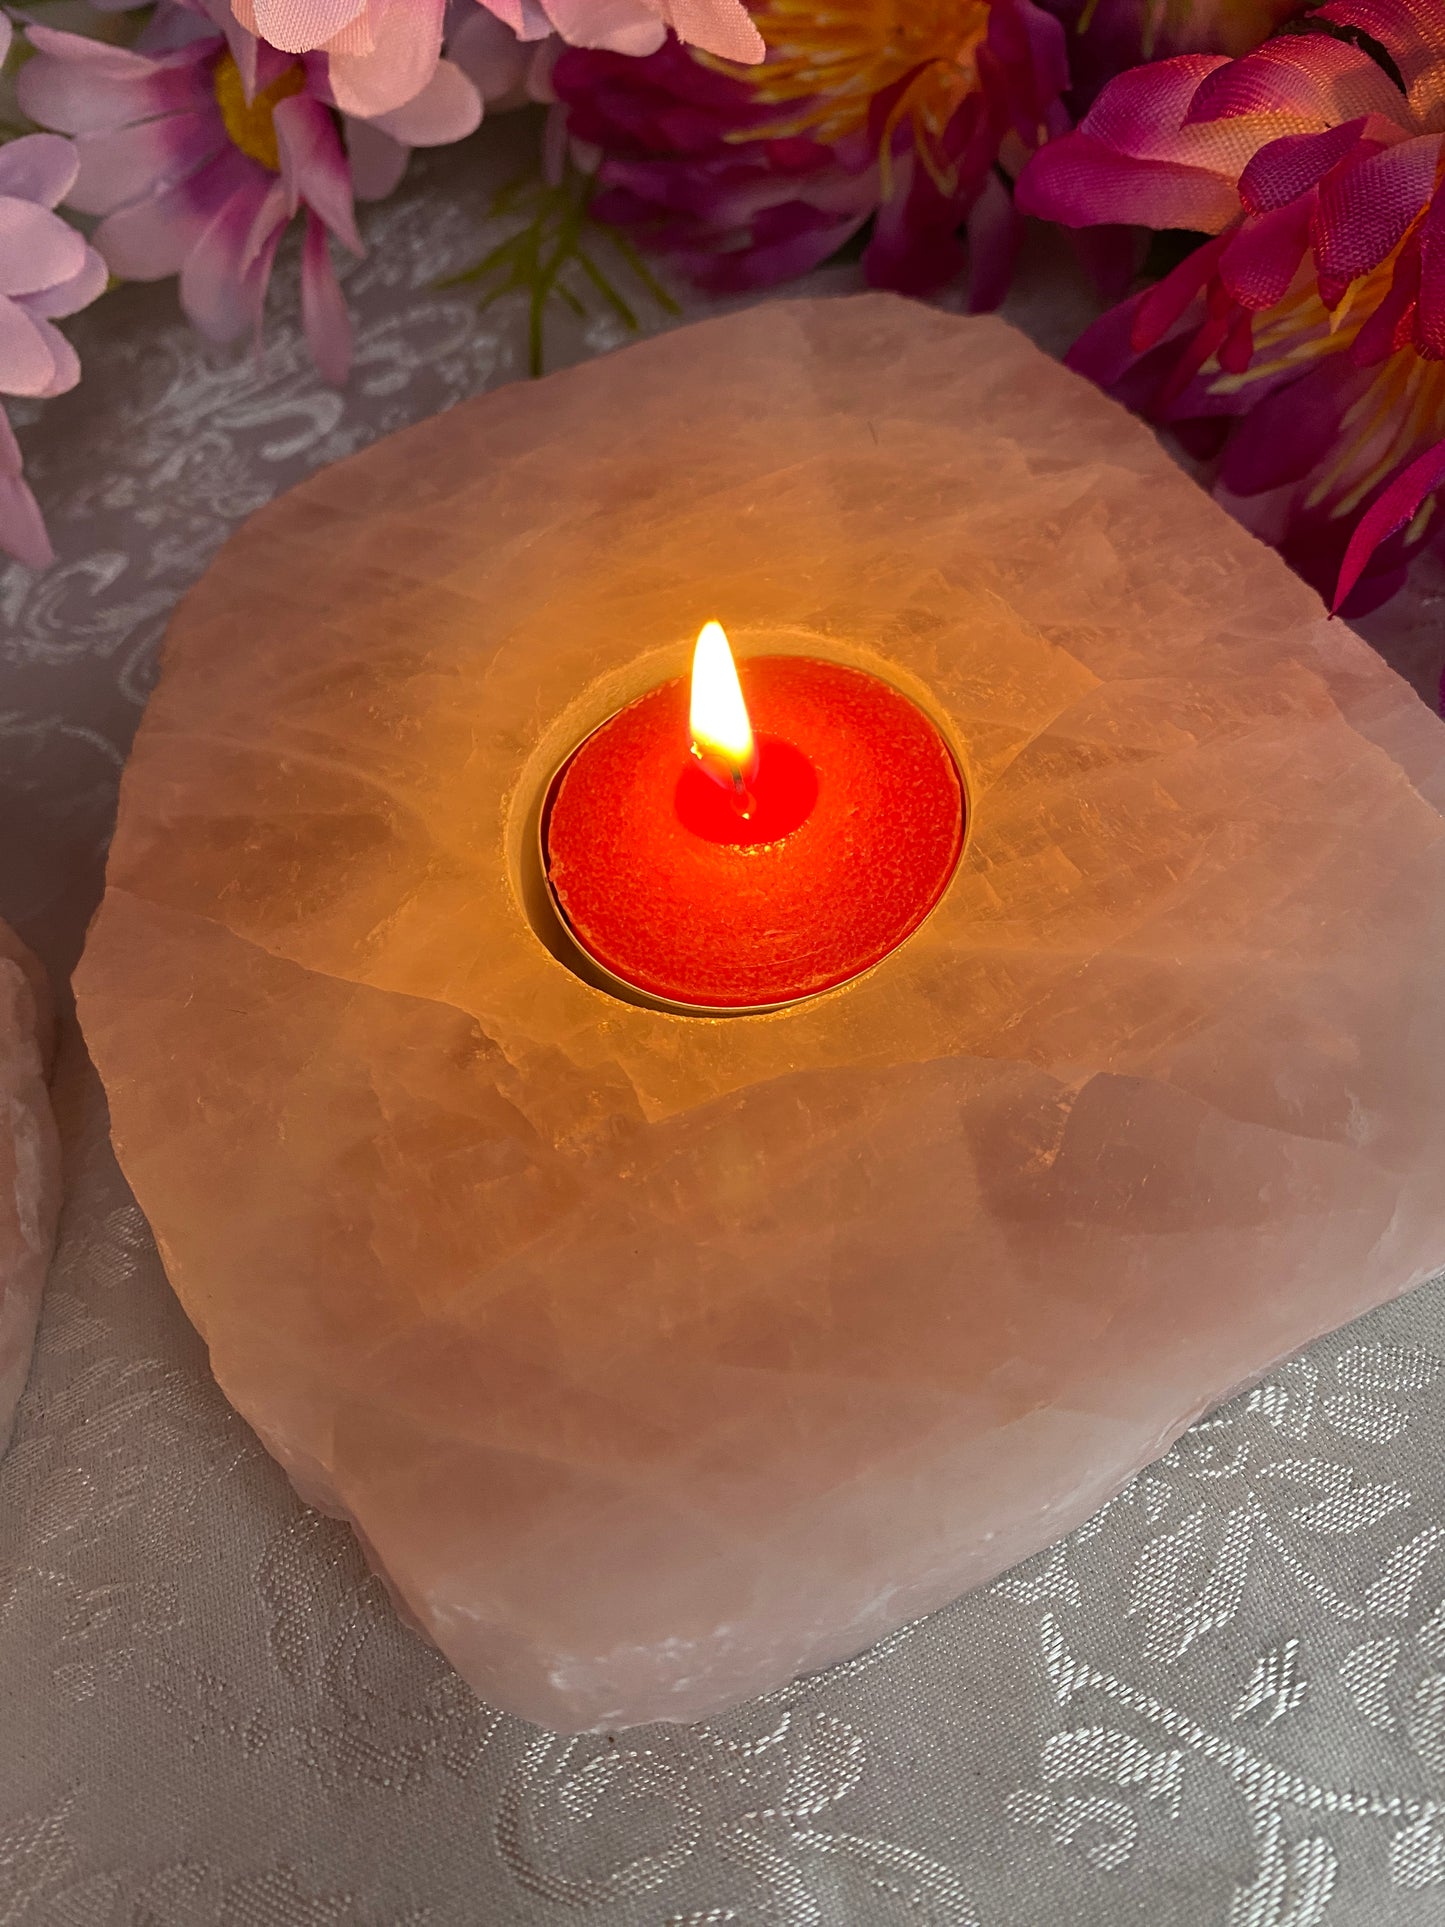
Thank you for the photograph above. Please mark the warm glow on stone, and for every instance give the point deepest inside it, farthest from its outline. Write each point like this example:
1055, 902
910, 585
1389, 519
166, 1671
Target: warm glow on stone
658, 1358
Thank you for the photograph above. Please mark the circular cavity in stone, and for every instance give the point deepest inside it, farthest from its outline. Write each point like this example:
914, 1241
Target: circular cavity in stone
854, 832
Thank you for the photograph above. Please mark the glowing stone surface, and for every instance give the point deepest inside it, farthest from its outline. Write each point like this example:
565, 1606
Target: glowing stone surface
29, 1164
657, 1358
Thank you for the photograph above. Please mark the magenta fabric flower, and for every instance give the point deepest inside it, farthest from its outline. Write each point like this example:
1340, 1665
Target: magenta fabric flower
1306, 340
1107, 37
46, 270
199, 157
896, 113
684, 162
383, 50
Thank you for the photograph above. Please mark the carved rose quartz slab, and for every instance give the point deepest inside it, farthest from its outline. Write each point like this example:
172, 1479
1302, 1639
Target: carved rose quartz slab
29, 1164
657, 1358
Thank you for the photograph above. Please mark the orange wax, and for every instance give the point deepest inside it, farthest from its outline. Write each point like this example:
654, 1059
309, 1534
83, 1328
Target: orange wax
855, 830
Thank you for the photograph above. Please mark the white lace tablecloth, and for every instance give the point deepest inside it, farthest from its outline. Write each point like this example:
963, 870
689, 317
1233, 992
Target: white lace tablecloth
1220, 1704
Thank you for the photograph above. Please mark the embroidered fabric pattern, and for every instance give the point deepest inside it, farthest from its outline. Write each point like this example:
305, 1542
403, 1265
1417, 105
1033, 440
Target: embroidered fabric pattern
1220, 1704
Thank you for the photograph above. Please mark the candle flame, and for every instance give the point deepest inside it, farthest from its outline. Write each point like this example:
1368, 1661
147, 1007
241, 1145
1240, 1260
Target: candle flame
722, 736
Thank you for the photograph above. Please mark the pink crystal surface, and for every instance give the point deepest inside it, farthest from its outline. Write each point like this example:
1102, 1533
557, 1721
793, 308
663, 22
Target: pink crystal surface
655, 1358
29, 1164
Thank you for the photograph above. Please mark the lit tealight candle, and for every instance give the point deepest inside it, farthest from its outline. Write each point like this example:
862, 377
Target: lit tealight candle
717, 717
720, 851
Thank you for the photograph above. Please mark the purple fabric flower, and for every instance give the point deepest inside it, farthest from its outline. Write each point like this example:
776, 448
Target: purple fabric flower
198, 157
899, 115
46, 270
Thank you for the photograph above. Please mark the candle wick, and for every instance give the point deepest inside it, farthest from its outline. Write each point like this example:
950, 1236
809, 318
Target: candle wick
730, 777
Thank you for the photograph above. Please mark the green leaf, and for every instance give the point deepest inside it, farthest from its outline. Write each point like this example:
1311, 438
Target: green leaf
561, 255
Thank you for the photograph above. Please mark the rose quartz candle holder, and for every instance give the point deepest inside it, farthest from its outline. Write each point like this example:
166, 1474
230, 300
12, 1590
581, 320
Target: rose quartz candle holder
657, 1358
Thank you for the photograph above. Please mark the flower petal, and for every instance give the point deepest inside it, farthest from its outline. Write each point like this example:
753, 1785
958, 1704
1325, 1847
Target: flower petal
313, 165
238, 23
213, 276
22, 527
151, 238
1365, 209
720, 27
1412, 34
447, 109
357, 37
1292, 165
81, 85
37, 249
785, 241
296, 26
1141, 111
377, 161
1391, 326
915, 247
1301, 82
323, 307
632, 27
69, 297
491, 55
1078, 180
1105, 351
1148, 113
1033, 50
99, 57
408, 44
995, 230
1430, 316
1391, 510
27, 364
124, 163
258, 277
1263, 257
1293, 428
11, 460
1159, 309
269, 222
65, 361
38, 167
526, 18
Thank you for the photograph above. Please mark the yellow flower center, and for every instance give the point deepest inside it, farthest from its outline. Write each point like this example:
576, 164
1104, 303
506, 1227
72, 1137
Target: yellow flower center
834, 60
1401, 411
252, 123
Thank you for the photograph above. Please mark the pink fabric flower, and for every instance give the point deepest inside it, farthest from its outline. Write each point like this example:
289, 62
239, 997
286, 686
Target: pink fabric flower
198, 158
896, 114
46, 270
382, 51
1306, 341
